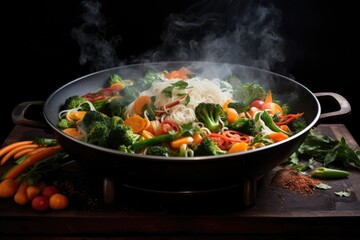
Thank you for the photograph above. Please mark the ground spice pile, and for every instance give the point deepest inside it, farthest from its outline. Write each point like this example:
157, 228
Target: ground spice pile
295, 181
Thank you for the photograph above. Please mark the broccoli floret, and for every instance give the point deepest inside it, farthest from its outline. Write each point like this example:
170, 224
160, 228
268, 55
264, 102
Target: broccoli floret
150, 76
76, 101
130, 93
98, 134
115, 106
125, 149
248, 92
121, 134
91, 118
233, 80
207, 147
286, 109
98, 105
158, 150
239, 106
212, 115
243, 125
116, 120
65, 123
297, 125
115, 78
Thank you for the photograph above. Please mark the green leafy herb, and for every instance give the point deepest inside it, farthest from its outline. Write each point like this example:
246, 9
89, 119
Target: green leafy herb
326, 150
168, 90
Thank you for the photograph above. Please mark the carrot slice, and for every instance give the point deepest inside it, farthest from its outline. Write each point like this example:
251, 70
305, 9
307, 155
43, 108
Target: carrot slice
137, 123
17, 149
73, 132
268, 97
141, 103
117, 86
181, 73
11, 146
15, 171
278, 136
197, 138
238, 147
146, 134
75, 115
232, 114
180, 141
226, 103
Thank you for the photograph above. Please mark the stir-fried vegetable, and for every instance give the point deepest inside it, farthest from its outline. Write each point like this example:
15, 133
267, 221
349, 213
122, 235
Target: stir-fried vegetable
171, 108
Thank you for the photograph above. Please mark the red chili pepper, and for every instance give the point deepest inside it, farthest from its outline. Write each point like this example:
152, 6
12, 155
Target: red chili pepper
235, 136
167, 125
286, 119
221, 141
101, 94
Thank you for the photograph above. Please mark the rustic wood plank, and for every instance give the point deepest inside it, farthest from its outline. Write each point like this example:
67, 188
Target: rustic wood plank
276, 212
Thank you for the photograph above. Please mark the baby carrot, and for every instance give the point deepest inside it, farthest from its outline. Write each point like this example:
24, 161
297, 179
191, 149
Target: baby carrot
11, 146
30, 160
32, 191
8, 188
15, 150
20, 196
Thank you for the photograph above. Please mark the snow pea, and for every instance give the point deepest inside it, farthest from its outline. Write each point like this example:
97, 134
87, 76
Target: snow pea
329, 173
266, 117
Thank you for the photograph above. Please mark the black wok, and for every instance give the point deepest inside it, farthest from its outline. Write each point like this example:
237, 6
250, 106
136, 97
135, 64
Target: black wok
178, 174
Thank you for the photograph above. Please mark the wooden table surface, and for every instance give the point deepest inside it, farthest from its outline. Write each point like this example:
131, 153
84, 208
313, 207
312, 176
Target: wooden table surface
278, 213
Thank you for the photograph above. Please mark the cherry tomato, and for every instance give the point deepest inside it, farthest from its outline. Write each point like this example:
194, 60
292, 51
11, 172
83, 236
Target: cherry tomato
49, 190
40, 203
221, 141
257, 103
167, 125
58, 201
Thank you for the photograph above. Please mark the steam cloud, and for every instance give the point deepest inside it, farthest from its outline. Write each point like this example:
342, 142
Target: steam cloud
242, 32
95, 49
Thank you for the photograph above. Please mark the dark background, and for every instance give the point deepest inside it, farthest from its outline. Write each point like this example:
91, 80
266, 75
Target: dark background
40, 54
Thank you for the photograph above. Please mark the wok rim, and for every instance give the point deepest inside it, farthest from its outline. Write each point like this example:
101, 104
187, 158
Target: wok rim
176, 158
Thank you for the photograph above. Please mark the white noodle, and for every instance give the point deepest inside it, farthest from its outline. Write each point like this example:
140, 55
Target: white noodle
199, 90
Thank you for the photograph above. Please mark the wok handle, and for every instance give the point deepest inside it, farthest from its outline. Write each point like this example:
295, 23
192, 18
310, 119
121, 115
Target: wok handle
21, 112
344, 105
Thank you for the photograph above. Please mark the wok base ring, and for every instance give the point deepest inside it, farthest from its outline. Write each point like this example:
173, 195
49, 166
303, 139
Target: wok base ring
244, 192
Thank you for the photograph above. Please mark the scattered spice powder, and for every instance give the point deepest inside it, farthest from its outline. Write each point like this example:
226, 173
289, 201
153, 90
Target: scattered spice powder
295, 181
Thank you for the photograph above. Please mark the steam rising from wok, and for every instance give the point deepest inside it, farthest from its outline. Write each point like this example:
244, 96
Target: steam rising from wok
242, 32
